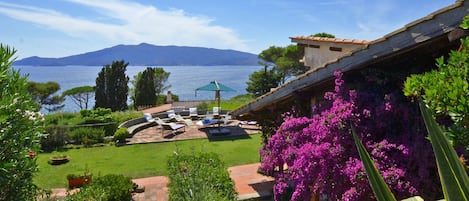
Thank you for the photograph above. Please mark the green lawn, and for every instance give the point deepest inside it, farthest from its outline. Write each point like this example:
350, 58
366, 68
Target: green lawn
142, 160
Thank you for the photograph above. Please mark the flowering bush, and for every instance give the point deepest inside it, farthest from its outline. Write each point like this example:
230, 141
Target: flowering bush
320, 153
20, 130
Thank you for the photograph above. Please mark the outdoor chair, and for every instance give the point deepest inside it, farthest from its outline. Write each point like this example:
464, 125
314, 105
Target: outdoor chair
148, 117
249, 123
169, 126
193, 113
173, 127
226, 119
181, 119
216, 111
171, 114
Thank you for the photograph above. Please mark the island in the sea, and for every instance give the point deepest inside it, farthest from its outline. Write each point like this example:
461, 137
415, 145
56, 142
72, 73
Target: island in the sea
145, 54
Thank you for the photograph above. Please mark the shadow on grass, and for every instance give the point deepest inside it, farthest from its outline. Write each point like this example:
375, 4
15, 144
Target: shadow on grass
225, 133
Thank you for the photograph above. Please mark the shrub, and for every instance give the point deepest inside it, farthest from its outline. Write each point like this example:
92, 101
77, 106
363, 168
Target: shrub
445, 91
108, 126
161, 99
21, 127
202, 106
100, 116
98, 112
54, 138
109, 187
199, 177
121, 134
63, 118
120, 117
87, 135
321, 155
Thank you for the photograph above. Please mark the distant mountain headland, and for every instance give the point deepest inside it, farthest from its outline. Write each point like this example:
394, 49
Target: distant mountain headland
149, 55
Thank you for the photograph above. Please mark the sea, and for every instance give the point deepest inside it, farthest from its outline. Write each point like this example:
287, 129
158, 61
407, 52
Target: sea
183, 80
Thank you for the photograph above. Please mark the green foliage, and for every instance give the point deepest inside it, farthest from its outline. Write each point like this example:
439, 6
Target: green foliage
58, 125
323, 34
121, 134
43, 93
380, 188
199, 176
270, 55
112, 87
161, 99
145, 93
62, 118
111, 187
229, 104
96, 113
21, 128
453, 176
260, 82
80, 95
445, 90
101, 117
87, 135
204, 106
120, 117
465, 22
286, 61
161, 77
149, 84
54, 138
289, 63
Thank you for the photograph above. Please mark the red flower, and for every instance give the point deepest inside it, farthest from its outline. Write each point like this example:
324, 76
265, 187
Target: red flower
31, 154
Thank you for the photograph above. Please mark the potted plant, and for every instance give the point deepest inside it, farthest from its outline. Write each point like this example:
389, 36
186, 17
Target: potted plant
77, 181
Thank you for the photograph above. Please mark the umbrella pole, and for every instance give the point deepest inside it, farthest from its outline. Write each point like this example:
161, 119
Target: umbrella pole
219, 115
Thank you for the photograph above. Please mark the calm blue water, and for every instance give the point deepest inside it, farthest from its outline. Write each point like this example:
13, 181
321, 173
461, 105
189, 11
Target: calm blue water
183, 79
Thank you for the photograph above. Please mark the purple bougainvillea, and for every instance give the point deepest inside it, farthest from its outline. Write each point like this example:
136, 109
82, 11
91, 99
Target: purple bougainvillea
320, 157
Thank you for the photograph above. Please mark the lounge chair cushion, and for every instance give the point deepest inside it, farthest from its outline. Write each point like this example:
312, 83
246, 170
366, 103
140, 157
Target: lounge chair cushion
148, 117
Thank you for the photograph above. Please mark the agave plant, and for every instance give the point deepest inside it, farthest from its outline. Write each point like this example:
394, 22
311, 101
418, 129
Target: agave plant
454, 179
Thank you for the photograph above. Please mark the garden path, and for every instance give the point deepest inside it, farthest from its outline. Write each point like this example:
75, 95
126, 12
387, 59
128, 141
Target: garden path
248, 184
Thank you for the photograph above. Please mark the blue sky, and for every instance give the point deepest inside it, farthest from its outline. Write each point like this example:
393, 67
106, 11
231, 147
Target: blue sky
57, 28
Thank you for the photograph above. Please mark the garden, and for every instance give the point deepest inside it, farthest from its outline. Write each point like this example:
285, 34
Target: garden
381, 131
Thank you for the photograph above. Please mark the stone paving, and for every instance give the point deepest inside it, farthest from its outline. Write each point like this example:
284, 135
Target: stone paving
157, 134
249, 184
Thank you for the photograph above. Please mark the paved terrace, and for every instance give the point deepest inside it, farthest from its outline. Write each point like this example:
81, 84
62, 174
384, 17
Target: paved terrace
248, 183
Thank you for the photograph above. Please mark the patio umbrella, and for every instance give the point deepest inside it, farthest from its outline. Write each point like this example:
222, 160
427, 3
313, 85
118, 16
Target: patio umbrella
215, 86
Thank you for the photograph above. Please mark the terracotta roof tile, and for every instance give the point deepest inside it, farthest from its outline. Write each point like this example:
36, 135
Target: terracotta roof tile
332, 40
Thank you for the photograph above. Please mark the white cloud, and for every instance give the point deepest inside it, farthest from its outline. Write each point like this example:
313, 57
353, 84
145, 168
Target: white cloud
131, 23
